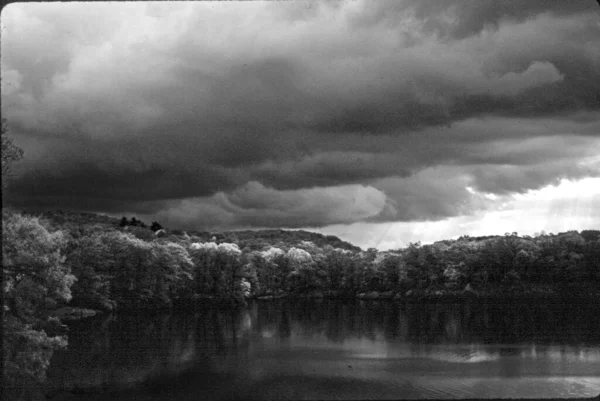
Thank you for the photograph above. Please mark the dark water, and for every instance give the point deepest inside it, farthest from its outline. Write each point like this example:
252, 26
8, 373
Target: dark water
336, 350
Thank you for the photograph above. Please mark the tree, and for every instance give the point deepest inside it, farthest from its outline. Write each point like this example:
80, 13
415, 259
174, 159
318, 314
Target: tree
570, 257
141, 232
36, 279
137, 223
155, 226
389, 271
459, 259
526, 260
278, 266
132, 283
271, 269
172, 270
590, 235
335, 261
592, 260
258, 271
35, 275
10, 153
302, 265
204, 256
232, 269
92, 262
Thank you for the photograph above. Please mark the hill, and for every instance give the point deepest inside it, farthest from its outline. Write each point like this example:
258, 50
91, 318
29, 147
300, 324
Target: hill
252, 239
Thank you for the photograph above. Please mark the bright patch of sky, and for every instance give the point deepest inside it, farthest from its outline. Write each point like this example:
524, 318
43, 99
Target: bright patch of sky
570, 205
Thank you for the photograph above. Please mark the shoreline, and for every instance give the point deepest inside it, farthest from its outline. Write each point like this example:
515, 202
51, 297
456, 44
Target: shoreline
548, 295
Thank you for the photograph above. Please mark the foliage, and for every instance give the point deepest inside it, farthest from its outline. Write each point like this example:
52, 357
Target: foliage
259, 239
90, 262
219, 270
35, 275
35, 279
131, 266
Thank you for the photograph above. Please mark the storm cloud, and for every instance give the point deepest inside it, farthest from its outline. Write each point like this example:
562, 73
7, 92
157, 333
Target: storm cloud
298, 114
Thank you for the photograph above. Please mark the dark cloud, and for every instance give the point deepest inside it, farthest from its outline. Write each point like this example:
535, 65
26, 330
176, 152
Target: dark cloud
472, 17
87, 187
256, 205
432, 194
244, 112
458, 19
506, 179
331, 168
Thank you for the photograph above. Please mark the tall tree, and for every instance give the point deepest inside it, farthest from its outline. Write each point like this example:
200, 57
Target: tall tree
36, 279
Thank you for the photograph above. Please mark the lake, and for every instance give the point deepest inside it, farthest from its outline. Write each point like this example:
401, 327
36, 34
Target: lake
336, 350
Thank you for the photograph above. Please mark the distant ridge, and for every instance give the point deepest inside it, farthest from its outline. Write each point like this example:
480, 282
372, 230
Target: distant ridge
244, 238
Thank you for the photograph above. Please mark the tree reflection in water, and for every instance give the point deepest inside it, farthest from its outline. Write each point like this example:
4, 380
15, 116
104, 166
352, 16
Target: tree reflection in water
362, 341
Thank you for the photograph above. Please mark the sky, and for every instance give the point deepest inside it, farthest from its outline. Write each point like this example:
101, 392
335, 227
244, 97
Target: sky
382, 122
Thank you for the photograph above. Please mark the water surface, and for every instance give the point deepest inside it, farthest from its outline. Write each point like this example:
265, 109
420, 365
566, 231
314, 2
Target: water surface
337, 350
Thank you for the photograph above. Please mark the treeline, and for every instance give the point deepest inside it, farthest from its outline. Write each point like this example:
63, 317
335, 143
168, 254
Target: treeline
118, 265
103, 264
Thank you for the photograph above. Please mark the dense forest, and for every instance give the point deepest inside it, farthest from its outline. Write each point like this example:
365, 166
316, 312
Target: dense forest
126, 263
